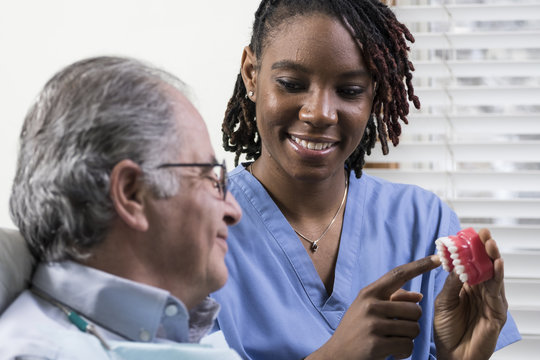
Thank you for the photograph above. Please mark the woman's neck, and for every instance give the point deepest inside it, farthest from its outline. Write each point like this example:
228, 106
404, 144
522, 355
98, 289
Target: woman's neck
301, 199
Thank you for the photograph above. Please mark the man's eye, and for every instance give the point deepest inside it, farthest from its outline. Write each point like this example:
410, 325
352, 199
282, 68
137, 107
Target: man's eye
214, 182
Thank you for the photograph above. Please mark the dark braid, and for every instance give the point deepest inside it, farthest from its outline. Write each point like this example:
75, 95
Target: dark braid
384, 49
241, 112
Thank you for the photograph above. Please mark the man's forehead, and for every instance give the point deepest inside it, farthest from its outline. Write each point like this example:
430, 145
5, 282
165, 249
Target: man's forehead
192, 131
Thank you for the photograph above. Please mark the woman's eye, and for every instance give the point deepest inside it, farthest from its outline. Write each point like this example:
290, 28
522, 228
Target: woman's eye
351, 92
290, 85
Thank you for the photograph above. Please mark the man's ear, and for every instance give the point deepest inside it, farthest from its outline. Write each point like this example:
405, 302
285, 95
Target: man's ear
248, 70
127, 192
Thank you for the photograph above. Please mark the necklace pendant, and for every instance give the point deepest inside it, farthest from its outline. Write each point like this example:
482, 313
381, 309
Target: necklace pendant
314, 247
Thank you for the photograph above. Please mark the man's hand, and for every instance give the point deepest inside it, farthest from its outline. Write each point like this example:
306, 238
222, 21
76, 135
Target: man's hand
382, 320
468, 319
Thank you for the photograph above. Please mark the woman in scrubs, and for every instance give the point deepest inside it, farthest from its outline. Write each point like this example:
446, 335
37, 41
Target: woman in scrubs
328, 262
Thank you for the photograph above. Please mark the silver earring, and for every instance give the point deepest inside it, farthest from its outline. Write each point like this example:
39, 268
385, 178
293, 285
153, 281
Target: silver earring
251, 93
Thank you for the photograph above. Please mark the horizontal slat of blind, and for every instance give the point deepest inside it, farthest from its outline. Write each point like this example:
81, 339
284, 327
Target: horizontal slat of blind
480, 95
505, 202
437, 69
492, 208
512, 238
524, 293
461, 152
518, 237
526, 349
478, 40
449, 13
521, 264
527, 319
490, 124
464, 180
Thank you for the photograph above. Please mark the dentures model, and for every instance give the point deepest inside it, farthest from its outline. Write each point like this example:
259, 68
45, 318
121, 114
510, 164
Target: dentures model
465, 254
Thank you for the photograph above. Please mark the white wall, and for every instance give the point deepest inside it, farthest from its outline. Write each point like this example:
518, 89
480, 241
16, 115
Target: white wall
200, 41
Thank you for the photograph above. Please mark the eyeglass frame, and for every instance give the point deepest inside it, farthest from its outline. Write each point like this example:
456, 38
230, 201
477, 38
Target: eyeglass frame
222, 182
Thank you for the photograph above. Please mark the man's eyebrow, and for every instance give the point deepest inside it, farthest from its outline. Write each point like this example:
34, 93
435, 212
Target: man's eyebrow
208, 159
211, 162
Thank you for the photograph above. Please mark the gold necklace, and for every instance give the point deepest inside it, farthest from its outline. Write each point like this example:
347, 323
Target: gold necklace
314, 243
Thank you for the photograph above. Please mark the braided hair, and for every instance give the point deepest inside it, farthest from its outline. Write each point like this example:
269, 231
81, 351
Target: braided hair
384, 49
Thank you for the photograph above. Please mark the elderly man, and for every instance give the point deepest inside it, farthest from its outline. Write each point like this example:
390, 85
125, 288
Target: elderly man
120, 198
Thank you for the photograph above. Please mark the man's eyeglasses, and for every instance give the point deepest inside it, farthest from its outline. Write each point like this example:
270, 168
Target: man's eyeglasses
220, 173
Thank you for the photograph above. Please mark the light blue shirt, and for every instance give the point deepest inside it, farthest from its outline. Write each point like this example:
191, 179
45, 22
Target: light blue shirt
119, 308
275, 306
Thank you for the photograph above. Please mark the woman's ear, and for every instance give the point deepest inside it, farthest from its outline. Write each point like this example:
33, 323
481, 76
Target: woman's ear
127, 193
249, 72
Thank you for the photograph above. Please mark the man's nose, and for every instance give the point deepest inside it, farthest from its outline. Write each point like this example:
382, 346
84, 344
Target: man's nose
233, 212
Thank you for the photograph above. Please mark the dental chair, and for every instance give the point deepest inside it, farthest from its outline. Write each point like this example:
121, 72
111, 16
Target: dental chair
16, 265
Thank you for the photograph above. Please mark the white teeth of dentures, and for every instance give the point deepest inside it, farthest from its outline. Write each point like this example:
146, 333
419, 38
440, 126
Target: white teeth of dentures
446, 245
440, 251
311, 145
460, 269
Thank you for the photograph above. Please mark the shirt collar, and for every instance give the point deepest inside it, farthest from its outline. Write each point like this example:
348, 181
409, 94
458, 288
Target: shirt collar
132, 310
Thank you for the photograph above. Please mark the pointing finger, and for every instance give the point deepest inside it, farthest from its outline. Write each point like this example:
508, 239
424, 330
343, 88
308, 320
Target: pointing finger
404, 295
385, 286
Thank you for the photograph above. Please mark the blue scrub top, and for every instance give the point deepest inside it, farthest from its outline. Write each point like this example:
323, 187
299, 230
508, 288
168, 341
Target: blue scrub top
275, 306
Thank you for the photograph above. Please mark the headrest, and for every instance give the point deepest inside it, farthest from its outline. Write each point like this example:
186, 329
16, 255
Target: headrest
15, 266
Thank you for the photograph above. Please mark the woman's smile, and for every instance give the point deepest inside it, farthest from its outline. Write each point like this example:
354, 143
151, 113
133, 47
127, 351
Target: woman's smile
318, 144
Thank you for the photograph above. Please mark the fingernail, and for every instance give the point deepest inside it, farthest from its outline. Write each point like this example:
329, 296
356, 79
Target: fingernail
436, 259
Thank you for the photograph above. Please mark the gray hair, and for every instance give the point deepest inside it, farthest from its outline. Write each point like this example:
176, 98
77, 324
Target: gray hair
88, 117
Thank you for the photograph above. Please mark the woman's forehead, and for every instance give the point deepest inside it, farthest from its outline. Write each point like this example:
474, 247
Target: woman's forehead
311, 37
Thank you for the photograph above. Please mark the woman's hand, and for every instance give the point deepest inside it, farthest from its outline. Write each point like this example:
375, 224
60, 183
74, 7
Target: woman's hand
468, 319
382, 320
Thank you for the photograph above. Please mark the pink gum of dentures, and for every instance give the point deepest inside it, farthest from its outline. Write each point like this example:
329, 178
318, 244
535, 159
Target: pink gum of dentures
465, 254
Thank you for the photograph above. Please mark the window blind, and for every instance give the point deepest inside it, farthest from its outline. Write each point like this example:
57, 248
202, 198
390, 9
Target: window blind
476, 140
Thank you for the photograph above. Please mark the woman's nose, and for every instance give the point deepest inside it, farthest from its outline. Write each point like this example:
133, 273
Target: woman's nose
319, 109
